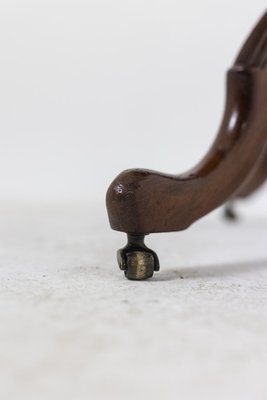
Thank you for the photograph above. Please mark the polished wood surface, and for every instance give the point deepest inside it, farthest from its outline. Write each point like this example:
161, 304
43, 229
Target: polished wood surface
256, 178
142, 201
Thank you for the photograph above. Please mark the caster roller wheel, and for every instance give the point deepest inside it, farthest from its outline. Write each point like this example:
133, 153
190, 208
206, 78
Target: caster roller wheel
136, 260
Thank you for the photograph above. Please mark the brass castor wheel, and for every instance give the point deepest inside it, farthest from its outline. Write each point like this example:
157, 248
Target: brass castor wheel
136, 260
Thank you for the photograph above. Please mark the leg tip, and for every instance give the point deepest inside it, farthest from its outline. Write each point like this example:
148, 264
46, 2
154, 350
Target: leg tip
230, 213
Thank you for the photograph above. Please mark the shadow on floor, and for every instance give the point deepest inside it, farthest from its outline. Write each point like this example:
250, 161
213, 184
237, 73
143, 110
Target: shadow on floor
211, 271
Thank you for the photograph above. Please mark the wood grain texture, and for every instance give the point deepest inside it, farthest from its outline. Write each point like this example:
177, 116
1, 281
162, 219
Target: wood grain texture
256, 178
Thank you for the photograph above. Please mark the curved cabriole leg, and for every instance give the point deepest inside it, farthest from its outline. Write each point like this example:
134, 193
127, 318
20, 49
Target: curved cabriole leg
136, 260
256, 178
142, 201
254, 181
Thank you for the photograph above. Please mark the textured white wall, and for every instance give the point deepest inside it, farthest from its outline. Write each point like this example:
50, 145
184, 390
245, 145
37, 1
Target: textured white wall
89, 88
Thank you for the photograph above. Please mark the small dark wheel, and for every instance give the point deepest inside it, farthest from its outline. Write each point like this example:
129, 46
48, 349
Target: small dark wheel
230, 213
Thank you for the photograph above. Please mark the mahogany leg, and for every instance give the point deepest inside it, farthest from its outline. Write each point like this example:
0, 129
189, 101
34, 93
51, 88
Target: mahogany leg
142, 201
254, 181
256, 178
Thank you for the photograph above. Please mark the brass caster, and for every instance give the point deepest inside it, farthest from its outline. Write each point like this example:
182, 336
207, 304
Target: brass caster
136, 260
